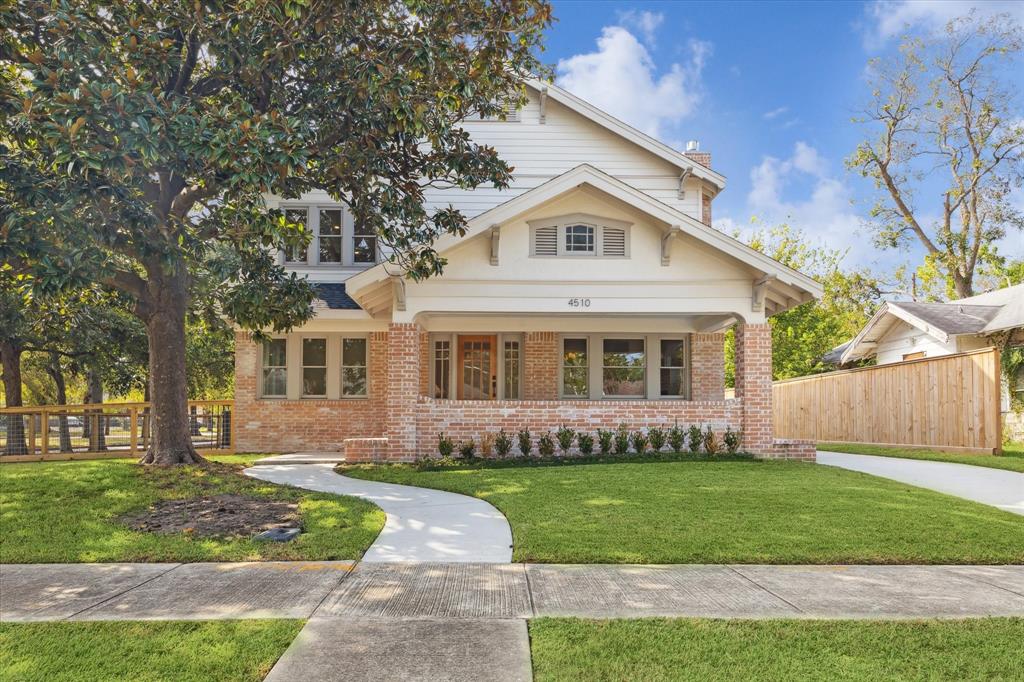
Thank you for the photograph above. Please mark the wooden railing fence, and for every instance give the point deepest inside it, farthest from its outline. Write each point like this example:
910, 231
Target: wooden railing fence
88, 431
948, 403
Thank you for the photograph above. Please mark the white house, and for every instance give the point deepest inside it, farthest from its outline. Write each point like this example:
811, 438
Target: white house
592, 292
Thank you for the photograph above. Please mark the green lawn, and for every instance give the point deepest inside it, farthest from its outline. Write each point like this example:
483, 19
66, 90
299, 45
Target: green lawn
708, 650
1012, 458
183, 651
65, 512
719, 512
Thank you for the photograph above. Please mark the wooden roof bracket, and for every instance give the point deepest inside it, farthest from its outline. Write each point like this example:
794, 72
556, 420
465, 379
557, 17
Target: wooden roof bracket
495, 241
666, 243
760, 289
399, 289
682, 181
542, 118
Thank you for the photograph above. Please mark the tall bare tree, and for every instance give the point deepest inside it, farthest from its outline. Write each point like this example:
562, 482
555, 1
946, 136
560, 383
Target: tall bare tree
945, 145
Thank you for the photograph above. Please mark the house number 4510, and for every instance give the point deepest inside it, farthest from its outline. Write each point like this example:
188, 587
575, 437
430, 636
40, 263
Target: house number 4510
579, 302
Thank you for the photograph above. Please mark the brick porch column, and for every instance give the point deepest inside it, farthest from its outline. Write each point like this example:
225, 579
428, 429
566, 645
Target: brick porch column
754, 385
708, 357
404, 358
541, 358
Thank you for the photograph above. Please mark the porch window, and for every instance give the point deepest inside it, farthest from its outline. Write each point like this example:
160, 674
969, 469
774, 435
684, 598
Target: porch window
314, 368
364, 245
353, 367
275, 370
574, 368
512, 359
673, 368
299, 216
623, 369
330, 235
579, 239
442, 368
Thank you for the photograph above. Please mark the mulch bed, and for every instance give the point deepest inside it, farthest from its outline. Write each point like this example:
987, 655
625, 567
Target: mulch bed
222, 516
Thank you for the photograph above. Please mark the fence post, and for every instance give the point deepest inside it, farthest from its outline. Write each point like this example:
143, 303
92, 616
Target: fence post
31, 433
45, 443
133, 429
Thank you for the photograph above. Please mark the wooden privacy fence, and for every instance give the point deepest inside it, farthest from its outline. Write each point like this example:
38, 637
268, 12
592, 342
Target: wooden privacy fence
55, 432
949, 402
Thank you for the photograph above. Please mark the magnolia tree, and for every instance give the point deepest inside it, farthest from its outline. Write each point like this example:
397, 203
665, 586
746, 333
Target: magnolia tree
139, 139
946, 146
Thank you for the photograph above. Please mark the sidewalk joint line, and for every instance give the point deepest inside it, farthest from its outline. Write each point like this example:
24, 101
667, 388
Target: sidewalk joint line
329, 592
999, 587
122, 592
762, 587
529, 590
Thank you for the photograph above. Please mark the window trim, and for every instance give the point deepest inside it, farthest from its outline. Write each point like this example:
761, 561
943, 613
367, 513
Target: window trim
587, 339
453, 365
263, 366
347, 236
560, 223
303, 366
340, 237
646, 367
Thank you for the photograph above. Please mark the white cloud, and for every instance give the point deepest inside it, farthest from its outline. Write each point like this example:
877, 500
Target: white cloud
645, 22
889, 18
621, 78
825, 214
774, 113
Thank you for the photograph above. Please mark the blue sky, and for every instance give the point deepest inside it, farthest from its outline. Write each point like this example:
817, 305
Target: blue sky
768, 88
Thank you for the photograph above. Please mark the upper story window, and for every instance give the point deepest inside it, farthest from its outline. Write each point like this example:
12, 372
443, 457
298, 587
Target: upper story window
579, 235
336, 240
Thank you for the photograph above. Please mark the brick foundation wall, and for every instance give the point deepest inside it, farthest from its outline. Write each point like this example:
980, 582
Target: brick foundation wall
276, 425
707, 357
461, 419
541, 357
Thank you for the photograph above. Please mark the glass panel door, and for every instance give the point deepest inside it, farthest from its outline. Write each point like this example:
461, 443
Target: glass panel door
478, 368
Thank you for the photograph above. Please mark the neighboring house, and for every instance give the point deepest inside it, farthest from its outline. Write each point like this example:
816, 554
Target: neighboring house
903, 331
592, 292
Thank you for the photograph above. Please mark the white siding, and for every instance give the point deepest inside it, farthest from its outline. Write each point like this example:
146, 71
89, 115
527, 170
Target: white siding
904, 339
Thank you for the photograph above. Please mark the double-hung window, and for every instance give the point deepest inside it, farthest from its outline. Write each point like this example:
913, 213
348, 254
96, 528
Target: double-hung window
623, 369
275, 368
296, 253
575, 382
353, 367
314, 368
330, 235
364, 245
672, 368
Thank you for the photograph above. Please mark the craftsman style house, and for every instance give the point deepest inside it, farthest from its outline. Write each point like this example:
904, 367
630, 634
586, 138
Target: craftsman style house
592, 292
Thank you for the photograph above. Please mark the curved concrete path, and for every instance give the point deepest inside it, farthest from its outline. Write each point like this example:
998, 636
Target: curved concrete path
995, 487
422, 525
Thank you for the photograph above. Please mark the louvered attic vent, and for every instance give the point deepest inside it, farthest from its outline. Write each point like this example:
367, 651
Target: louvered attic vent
546, 241
614, 242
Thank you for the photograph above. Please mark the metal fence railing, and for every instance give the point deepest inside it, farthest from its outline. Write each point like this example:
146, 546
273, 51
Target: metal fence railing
104, 430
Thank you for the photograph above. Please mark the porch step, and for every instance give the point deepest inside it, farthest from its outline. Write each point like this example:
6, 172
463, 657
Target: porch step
302, 458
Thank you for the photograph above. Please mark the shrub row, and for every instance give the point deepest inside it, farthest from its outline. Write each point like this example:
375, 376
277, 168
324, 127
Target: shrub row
620, 441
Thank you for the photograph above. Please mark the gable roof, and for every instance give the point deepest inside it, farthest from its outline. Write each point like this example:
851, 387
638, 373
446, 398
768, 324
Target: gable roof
982, 314
788, 285
628, 132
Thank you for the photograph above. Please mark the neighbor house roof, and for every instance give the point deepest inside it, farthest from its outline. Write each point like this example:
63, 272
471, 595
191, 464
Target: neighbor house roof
987, 313
624, 130
787, 287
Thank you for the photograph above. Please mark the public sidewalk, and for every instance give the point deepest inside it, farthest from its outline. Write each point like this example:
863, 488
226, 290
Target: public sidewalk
501, 591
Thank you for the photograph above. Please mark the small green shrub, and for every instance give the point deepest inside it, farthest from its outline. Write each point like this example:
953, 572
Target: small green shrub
445, 446
546, 445
656, 435
565, 437
467, 450
525, 442
639, 440
621, 440
676, 438
502, 444
604, 441
732, 440
696, 438
586, 443
711, 444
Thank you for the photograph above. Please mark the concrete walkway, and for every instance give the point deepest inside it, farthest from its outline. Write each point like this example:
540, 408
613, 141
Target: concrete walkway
464, 591
422, 524
995, 487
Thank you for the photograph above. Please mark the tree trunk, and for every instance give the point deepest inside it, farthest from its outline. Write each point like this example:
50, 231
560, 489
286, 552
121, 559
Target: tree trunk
10, 357
57, 374
98, 428
164, 315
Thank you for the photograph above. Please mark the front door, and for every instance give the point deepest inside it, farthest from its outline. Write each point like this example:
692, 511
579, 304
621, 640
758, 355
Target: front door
478, 367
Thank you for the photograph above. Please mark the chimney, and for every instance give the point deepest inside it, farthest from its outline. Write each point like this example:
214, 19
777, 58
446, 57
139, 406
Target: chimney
693, 152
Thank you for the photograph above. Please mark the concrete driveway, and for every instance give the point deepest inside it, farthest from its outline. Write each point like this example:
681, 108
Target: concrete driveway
995, 487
